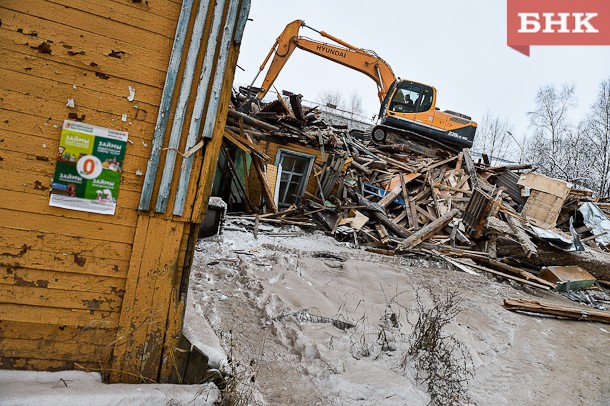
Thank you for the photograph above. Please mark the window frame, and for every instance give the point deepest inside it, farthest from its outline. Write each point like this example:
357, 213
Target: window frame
281, 152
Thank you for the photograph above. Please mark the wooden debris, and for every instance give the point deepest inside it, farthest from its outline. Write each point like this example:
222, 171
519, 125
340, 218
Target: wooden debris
508, 276
569, 312
428, 230
406, 193
470, 168
529, 248
514, 271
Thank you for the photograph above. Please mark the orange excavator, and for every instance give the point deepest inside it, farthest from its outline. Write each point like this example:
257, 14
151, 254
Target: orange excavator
408, 108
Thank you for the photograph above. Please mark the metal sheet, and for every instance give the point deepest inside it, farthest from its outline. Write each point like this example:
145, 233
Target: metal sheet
166, 102
213, 103
181, 106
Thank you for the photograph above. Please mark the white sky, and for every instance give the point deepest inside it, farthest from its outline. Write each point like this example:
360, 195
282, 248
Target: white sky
457, 46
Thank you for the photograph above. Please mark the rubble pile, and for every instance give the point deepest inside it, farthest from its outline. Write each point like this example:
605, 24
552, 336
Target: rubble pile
410, 196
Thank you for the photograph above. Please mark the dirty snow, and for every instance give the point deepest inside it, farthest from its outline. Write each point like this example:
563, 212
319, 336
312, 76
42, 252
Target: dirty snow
86, 388
259, 299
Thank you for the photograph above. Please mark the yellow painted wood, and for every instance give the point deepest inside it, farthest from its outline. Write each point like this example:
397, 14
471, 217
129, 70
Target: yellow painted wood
152, 17
73, 227
201, 194
38, 202
56, 350
36, 125
66, 45
61, 333
272, 177
30, 173
86, 23
87, 104
58, 316
36, 66
67, 262
35, 364
13, 240
72, 281
60, 298
146, 301
104, 68
84, 274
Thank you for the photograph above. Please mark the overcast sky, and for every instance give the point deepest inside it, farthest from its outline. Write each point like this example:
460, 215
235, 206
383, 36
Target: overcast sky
457, 46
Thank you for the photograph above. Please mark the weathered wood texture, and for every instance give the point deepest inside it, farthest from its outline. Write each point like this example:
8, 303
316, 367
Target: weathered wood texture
77, 289
63, 273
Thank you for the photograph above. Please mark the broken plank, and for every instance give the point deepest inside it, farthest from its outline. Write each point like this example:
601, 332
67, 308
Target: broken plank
383, 233
252, 121
507, 276
570, 312
470, 168
529, 248
428, 230
516, 271
390, 197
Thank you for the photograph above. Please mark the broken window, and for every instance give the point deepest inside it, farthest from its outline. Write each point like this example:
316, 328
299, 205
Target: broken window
293, 169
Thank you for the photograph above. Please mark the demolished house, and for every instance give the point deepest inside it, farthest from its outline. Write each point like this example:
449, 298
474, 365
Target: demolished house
282, 164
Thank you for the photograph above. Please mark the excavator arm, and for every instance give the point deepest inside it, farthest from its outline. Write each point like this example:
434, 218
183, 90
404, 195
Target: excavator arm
363, 61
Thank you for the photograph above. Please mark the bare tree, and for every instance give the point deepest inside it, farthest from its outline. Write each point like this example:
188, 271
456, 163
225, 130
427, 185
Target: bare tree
494, 138
557, 144
332, 98
335, 99
596, 127
355, 104
550, 119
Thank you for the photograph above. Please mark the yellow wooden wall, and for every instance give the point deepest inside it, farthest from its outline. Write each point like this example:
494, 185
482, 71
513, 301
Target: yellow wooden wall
83, 290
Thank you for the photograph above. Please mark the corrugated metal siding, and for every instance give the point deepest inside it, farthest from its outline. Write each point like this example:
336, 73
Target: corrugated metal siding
508, 179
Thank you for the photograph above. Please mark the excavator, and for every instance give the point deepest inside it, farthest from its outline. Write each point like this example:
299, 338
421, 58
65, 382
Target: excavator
408, 108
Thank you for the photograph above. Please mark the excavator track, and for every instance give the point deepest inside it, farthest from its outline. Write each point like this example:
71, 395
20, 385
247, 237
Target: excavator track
416, 142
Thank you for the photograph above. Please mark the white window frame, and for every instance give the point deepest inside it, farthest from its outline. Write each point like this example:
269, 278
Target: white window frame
278, 160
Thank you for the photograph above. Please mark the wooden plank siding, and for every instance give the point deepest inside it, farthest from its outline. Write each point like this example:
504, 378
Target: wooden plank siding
81, 290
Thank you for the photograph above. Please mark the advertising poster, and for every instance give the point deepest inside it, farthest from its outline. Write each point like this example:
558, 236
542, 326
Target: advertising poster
89, 165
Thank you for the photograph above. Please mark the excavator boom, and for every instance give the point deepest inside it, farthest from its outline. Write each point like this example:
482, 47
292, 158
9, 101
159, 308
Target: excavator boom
363, 61
408, 109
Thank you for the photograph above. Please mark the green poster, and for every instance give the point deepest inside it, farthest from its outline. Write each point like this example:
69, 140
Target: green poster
89, 165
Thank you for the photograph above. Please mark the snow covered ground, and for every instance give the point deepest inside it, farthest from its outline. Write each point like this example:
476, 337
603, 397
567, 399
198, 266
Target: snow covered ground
263, 308
86, 388
262, 299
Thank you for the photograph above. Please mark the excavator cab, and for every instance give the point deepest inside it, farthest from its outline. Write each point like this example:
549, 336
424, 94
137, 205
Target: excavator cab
411, 107
411, 97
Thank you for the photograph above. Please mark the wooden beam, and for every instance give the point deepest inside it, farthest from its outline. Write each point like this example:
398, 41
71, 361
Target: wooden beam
507, 276
515, 271
266, 188
470, 168
428, 231
570, 312
390, 197
529, 248
383, 233
252, 121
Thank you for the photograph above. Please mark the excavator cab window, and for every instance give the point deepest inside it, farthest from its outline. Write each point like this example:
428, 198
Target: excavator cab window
411, 97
